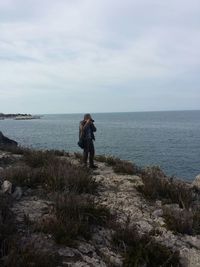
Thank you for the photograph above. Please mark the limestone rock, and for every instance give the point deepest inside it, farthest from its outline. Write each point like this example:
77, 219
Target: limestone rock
196, 182
66, 252
6, 187
5, 141
86, 248
157, 213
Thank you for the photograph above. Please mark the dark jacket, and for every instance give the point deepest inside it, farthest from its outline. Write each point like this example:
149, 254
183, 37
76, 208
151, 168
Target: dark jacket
83, 134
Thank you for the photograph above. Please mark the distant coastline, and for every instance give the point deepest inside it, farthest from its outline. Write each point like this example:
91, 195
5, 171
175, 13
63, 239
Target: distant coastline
18, 116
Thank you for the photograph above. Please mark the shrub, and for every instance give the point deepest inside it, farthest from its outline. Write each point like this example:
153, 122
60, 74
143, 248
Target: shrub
196, 222
13, 149
125, 167
7, 226
119, 166
35, 159
55, 175
182, 221
179, 220
74, 217
78, 156
29, 256
109, 160
59, 153
142, 250
158, 186
23, 176
6, 160
63, 175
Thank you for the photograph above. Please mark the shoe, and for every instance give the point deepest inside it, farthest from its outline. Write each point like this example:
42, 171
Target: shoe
93, 167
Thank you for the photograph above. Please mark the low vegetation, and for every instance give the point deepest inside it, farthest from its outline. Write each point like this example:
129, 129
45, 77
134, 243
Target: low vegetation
158, 186
7, 225
73, 217
142, 250
29, 256
119, 166
39, 158
75, 214
52, 173
18, 150
182, 221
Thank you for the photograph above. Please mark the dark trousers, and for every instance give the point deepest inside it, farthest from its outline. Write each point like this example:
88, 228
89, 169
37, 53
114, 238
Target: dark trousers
88, 150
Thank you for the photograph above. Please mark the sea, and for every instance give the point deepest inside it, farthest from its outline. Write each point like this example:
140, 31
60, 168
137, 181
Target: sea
169, 139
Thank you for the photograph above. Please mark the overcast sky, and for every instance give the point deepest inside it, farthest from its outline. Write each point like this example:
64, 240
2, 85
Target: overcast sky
71, 56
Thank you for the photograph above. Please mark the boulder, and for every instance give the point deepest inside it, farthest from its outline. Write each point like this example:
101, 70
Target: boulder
196, 182
8, 188
5, 141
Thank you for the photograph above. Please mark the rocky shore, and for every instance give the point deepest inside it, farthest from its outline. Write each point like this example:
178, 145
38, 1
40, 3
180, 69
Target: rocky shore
118, 215
18, 116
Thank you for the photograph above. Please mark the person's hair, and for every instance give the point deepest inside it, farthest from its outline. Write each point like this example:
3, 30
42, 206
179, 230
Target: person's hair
87, 116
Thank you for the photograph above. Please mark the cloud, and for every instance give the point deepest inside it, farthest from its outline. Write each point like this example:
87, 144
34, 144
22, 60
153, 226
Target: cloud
118, 49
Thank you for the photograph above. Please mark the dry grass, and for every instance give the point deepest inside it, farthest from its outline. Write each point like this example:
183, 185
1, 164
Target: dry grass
182, 221
196, 222
186, 219
179, 221
74, 216
109, 160
119, 166
29, 256
78, 156
158, 186
18, 150
52, 173
7, 225
143, 250
38, 158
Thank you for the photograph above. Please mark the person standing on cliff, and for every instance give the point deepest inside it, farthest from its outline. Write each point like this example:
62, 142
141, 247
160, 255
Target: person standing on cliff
86, 134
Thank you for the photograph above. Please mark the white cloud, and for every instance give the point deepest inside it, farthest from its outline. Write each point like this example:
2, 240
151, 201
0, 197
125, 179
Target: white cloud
84, 46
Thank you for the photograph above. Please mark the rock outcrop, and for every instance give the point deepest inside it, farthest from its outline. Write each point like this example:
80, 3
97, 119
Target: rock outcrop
120, 194
196, 182
5, 141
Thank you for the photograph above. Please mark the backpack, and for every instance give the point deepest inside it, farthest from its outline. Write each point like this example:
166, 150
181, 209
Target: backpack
81, 138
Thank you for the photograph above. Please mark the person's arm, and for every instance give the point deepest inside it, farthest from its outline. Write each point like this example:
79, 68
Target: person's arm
94, 129
86, 125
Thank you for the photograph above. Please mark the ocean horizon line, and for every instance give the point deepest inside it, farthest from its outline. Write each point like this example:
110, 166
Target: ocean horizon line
118, 112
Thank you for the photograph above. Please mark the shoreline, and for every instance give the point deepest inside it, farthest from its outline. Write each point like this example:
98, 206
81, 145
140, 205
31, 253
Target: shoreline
18, 116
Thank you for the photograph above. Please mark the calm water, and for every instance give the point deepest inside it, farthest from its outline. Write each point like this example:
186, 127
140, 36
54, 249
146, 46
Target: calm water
168, 139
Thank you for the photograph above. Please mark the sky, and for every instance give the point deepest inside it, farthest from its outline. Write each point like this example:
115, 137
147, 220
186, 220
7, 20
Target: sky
77, 56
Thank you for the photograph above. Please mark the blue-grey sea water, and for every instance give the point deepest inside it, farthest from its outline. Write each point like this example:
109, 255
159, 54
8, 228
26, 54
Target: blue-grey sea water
168, 139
